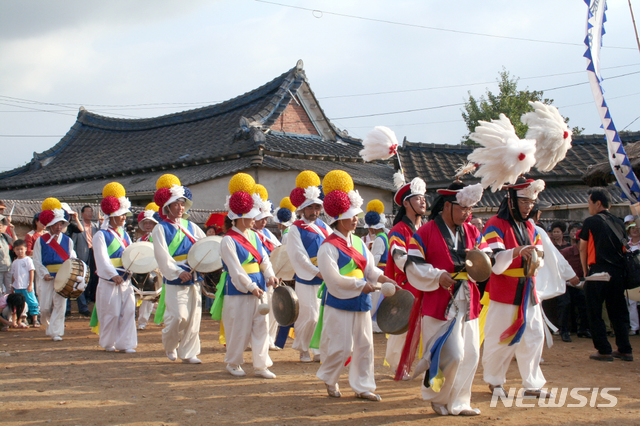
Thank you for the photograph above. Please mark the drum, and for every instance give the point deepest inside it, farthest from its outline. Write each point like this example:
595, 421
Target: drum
204, 255
394, 312
138, 258
284, 303
209, 283
634, 294
66, 280
281, 265
147, 286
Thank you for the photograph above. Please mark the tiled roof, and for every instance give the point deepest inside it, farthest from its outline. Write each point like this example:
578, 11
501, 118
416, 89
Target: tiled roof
196, 145
436, 164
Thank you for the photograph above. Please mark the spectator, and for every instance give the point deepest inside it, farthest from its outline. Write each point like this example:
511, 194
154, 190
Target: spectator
601, 251
477, 222
634, 242
81, 234
9, 231
13, 311
557, 235
5, 256
573, 299
37, 229
23, 274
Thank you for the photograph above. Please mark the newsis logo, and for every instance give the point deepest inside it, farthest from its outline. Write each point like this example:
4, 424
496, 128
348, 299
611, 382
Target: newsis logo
578, 397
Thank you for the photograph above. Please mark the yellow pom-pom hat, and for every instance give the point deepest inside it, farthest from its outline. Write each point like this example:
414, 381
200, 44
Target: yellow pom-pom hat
342, 202
307, 190
244, 200
52, 212
265, 205
114, 202
168, 191
375, 217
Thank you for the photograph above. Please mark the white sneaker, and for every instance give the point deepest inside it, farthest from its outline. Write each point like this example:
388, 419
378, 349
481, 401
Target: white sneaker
440, 409
142, 327
130, 351
236, 370
173, 355
305, 357
192, 360
316, 358
265, 373
56, 338
274, 348
110, 349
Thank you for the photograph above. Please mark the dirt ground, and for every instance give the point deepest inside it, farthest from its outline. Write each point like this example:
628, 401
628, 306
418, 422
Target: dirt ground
75, 382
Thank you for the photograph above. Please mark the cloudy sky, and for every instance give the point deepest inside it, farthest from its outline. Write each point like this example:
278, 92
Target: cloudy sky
406, 64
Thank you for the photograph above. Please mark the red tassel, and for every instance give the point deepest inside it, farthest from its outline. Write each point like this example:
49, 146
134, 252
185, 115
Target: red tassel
521, 156
413, 339
393, 149
565, 135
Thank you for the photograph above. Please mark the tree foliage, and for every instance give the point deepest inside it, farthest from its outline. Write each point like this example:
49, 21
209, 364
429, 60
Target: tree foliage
509, 101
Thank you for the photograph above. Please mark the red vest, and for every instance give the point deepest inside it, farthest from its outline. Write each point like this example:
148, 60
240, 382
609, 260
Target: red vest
399, 237
431, 242
500, 235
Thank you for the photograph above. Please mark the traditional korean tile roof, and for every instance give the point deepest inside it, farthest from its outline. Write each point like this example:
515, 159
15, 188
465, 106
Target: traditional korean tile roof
196, 145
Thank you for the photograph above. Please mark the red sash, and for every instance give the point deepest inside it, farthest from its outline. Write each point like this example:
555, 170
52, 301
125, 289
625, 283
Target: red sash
53, 243
301, 224
184, 231
244, 242
265, 241
341, 244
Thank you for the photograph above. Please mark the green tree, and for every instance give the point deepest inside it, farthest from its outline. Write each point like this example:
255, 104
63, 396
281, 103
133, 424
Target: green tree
509, 100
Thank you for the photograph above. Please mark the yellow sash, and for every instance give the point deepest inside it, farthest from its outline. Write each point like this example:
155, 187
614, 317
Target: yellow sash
251, 268
179, 258
357, 273
517, 272
116, 261
54, 268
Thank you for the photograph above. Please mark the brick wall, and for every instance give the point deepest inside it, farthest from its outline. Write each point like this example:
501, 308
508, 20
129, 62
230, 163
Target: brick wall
294, 119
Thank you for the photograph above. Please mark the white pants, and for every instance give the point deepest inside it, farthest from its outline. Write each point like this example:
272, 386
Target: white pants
183, 311
347, 334
144, 312
116, 308
458, 361
497, 357
375, 298
634, 322
5, 282
271, 319
243, 324
309, 310
395, 343
52, 308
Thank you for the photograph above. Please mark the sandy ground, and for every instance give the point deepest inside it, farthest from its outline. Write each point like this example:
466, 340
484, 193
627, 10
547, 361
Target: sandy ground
74, 382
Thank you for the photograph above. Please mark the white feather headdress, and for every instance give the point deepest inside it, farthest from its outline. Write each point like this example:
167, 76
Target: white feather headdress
503, 155
552, 135
470, 195
379, 144
398, 180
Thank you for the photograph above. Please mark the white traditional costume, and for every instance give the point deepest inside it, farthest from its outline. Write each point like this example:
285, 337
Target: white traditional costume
147, 306
115, 303
303, 243
172, 241
346, 266
514, 321
449, 317
49, 252
246, 267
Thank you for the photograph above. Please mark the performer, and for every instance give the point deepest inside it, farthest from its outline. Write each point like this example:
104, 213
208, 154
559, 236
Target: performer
115, 299
49, 252
249, 273
513, 238
172, 240
450, 302
375, 220
147, 220
284, 218
410, 198
349, 272
303, 242
270, 242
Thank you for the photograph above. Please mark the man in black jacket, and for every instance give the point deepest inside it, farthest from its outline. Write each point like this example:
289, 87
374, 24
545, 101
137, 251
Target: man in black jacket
602, 251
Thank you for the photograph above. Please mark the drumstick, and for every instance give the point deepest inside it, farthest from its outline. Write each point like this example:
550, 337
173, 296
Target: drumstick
128, 269
200, 261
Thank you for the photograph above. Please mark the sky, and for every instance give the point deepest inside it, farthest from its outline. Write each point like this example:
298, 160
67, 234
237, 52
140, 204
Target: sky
406, 64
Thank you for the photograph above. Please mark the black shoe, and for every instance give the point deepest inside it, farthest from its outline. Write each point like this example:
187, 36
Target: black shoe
624, 357
85, 314
601, 357
566, 336
586, 334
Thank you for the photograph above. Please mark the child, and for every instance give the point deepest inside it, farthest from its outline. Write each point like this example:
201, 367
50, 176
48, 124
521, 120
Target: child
10, 305
23, 271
